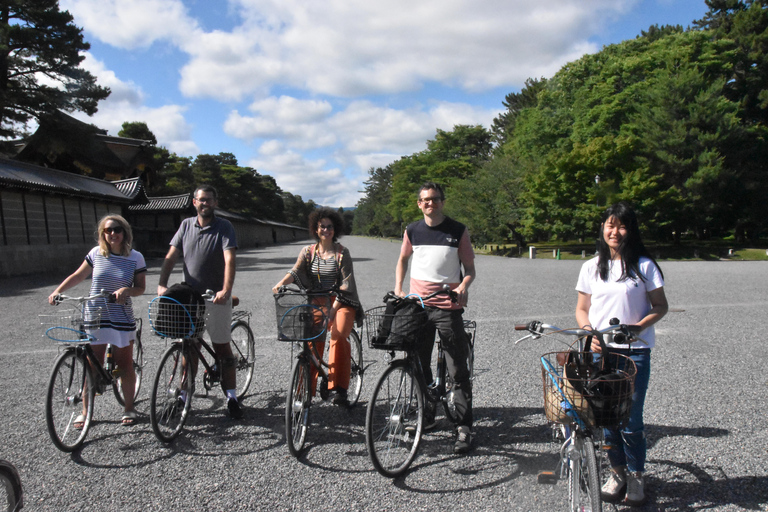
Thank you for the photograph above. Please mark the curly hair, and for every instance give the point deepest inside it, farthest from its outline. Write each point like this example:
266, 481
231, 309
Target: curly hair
325, 213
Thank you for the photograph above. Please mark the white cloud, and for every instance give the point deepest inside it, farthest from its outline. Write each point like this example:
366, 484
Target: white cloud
135, 23
348, 49
364, 135
127, 103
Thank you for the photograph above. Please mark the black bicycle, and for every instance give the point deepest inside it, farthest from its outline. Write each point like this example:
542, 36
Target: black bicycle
394, 421
174, 385
302, 318
77, 375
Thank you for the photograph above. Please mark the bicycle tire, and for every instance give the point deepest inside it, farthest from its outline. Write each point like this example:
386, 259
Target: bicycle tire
138, 368
243, 346
584, 479
11, 495
297, 404
168, 412
356, 369
70, 385
394, 420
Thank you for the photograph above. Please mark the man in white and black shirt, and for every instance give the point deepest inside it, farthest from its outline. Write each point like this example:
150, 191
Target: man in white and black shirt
442, 254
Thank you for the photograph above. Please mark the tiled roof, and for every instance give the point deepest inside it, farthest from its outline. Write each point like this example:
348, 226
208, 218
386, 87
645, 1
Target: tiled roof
134, 189
14, 174
169, 203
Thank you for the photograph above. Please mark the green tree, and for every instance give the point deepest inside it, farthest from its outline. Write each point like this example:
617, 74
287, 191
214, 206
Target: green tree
39, 40
137, 130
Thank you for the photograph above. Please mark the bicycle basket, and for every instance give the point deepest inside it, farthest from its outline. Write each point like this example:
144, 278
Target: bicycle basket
169, 318
600, 397
301, 316
72, 325
396, 326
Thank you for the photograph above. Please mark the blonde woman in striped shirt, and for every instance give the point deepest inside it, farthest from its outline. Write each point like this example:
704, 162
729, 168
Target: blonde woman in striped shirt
121, 271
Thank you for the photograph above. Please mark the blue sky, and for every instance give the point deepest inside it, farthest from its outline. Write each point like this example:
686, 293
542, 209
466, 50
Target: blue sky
315, 93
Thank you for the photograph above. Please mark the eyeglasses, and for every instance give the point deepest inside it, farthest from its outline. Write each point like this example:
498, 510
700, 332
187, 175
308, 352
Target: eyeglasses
423, 200
114, 230
205, 200
329, 227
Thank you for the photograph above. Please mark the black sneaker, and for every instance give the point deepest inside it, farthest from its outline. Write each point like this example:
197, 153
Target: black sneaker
234, 409
339, 397
463, 440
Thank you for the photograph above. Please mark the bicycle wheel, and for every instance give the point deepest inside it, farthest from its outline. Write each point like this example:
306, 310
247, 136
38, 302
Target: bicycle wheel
11, 496
138, 368
244, 350
357, 368
394, 419
297, 404
69, 386
583, 477
168, 411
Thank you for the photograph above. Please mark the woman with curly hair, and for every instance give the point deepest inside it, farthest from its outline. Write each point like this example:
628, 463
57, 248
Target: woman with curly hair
325, 265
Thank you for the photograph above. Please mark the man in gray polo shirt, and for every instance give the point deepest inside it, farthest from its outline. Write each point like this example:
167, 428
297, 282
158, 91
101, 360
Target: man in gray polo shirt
208, 244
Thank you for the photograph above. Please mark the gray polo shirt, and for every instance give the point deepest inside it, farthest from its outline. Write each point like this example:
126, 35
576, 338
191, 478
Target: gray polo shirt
203, 252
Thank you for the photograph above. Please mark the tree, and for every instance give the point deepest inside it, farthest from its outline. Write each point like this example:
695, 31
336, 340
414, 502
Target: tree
40, 54
137, 130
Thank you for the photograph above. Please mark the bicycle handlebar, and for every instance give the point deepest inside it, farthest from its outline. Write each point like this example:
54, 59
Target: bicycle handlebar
623, 334
446, 290
59, 298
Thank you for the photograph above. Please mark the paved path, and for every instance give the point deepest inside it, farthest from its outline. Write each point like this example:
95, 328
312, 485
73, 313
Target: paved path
706, 410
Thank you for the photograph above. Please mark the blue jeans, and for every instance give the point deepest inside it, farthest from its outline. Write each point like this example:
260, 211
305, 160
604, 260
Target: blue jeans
627, 446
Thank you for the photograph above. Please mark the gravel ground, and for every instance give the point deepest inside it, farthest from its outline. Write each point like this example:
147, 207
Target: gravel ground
705, 413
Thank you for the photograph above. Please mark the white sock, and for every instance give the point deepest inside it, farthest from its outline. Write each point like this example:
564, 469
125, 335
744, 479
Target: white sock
184, 395
232, 393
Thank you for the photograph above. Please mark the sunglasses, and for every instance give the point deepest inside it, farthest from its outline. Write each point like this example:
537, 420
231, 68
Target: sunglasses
116, 230
328, 227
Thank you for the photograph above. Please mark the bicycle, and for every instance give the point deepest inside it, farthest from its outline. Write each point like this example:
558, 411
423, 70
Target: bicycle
174, 385
11, 494
77, 376
583, 393
302, 318
394, 421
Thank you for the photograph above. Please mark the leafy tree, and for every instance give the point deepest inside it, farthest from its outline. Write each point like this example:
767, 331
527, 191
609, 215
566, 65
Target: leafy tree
371, 215
137, 130
515, 102
38, 40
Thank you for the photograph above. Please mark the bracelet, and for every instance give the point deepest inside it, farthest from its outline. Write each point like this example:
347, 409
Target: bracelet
587, 325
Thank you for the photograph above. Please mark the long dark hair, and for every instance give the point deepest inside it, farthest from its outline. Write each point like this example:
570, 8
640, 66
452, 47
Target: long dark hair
631, 248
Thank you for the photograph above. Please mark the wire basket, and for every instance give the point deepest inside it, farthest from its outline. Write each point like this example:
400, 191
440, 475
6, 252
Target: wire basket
601, 397
71, 325
387, 329
169, 318
302, 316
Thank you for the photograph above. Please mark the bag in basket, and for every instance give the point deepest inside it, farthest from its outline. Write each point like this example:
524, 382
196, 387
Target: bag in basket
402, 323
183, 309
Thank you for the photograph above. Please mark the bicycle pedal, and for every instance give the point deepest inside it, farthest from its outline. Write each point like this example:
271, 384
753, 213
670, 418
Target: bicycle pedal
547, 477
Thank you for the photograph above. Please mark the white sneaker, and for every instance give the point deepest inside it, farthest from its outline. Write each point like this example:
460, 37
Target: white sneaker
635, 489
615, 487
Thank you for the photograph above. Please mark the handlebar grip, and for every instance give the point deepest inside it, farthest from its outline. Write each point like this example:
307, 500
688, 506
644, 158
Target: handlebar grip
521, 327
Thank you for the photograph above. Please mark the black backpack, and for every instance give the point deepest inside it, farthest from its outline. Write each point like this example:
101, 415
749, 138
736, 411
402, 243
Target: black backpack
180, 312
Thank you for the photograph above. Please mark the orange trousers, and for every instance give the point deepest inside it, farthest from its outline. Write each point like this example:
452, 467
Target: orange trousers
339, 353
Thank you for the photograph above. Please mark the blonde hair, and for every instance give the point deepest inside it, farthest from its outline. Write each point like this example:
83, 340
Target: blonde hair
127, 235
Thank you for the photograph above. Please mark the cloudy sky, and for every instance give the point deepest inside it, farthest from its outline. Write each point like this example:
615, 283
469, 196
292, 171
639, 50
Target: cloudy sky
316, 92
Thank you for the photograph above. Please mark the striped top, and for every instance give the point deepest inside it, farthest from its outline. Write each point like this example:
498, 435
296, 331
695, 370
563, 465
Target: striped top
111, 274
323, 272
